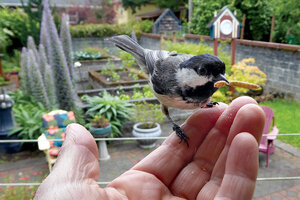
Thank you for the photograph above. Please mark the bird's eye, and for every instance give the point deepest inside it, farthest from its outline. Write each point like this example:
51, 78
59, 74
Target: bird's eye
201, 71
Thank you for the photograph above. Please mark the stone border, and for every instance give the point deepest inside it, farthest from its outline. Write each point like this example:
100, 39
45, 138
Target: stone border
287, 147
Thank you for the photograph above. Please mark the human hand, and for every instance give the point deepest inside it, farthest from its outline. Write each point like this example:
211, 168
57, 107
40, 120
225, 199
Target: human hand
221, 162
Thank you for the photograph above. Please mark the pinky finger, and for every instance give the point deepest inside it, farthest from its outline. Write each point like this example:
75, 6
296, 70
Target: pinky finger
241, 169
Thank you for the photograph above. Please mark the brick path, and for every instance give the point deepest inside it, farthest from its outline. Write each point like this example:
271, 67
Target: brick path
126, 154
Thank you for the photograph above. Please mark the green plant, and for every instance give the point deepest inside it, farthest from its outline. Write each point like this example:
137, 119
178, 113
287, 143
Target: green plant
147, 113
99, 121
11, 62
57, 60
110, 70
148, 92
246, 71
84, 55
15, 25
66, 41
102, 30
111, 107
2, 81
287, 115
90, 53
127, 59
28, 115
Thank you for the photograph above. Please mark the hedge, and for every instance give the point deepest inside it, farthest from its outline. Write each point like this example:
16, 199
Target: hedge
100, 30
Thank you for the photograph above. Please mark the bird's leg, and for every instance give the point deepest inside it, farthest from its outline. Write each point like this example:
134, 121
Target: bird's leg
179, 132
211, 104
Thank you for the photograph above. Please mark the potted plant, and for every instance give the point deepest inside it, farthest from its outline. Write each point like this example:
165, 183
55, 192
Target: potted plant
115, 110
147, 117
100, 127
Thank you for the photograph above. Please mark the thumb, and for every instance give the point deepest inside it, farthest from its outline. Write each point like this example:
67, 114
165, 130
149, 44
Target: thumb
76, 169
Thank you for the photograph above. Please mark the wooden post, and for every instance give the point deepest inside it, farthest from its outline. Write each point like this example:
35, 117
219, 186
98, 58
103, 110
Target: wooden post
161, 40
190, 15
243, 26
216, 46
174, 37
272, 27
233, 47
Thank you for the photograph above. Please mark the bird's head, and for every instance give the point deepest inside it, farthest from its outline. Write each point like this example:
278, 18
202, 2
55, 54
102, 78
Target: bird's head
200, 70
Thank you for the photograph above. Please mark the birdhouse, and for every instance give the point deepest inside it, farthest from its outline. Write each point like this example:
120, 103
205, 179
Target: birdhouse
224, 25
167, 22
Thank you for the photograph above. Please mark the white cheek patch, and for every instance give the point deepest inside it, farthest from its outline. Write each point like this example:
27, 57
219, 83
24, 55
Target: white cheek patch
190, 78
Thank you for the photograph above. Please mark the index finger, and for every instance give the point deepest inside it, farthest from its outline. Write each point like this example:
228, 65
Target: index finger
167, 160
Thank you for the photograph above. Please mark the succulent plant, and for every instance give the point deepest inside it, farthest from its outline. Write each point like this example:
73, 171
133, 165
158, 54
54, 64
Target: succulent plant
99, 121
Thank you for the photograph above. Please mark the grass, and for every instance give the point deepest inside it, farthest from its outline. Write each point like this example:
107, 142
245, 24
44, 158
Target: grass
287, 119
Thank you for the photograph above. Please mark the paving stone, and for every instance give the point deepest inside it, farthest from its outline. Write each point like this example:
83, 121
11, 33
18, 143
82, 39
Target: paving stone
292, 194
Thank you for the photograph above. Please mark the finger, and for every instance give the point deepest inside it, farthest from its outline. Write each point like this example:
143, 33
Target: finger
167, 160
250, 118
207, 154
76, 167
241, 169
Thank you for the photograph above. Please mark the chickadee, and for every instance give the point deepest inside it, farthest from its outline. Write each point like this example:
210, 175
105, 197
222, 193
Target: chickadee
177, 80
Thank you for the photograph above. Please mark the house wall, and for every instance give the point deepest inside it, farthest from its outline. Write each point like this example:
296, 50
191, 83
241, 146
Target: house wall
124, 16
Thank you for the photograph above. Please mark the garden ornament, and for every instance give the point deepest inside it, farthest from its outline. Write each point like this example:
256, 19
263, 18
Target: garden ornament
178, 80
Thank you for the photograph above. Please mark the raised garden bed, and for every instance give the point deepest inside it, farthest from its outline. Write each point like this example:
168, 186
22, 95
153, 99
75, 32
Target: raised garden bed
125, 78
127, 90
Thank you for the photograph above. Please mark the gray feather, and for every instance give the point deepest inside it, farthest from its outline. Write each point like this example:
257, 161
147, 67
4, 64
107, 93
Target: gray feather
127, 44
145, 58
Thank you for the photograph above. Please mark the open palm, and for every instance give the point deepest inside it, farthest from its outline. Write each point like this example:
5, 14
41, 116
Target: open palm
221, 162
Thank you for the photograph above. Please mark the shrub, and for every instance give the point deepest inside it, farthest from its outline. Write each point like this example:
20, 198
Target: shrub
16, 27
102, 30
147, 112
246, 71
28, 115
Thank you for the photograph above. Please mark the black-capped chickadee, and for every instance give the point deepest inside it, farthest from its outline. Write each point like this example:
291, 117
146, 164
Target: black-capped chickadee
177, 80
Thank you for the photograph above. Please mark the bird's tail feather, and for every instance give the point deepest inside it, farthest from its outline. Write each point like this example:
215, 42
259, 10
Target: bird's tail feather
127, 44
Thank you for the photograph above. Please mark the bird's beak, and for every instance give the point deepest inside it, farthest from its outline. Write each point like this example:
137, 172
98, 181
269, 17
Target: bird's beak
221, 77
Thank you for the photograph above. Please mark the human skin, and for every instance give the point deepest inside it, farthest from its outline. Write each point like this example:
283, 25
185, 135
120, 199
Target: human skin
221, 162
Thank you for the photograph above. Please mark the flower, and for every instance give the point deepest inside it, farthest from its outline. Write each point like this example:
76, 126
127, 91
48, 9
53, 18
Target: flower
71, 116
77, 64
48, 117
53, 129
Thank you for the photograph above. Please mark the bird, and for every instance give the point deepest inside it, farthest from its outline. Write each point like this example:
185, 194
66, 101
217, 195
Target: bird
181, 81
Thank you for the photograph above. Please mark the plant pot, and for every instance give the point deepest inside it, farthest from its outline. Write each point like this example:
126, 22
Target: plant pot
6, 124
144, 133
100, 132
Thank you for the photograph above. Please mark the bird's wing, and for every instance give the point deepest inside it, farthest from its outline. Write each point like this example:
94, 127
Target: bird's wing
152, 56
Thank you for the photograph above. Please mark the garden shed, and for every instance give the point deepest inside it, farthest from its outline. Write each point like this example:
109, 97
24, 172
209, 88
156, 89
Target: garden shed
167, 22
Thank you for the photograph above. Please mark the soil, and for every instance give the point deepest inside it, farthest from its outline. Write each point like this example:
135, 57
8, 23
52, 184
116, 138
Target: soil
124, 75
147, 126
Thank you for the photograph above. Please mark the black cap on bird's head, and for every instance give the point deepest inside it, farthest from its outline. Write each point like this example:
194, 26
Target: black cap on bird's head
206, 65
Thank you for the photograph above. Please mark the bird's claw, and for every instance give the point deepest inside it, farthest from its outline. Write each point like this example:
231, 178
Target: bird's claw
179, 132
211, 104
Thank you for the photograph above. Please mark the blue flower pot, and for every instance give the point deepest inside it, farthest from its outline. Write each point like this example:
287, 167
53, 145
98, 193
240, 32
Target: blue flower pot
100, 132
